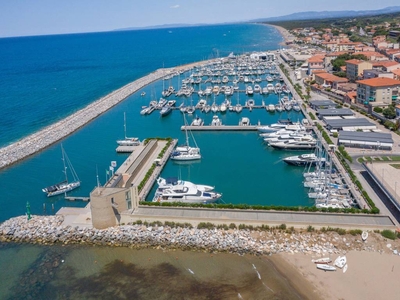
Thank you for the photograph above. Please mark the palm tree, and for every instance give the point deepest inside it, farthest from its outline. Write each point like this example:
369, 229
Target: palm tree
308, 91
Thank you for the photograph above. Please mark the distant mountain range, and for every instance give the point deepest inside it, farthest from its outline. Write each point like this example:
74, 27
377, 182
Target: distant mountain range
307, 15
310, 15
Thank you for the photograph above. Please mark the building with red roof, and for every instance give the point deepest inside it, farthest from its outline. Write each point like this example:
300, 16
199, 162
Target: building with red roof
379, 90
355, 68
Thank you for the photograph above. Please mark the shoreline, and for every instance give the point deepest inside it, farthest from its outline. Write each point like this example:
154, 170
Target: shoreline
372, 264
287, 36
55, 132
370, 275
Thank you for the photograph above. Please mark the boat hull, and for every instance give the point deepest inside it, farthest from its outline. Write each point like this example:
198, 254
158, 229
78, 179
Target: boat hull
65, 188
186, 157
292, 147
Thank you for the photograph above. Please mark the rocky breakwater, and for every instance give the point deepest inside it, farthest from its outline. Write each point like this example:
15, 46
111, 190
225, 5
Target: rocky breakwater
49, 230
55, 132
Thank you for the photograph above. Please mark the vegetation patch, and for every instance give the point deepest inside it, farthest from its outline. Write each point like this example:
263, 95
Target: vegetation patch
263, 207
396, 166
389, 234
153, 166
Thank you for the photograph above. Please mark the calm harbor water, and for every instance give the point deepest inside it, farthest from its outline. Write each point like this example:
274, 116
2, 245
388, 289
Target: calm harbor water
39, 89
47, 78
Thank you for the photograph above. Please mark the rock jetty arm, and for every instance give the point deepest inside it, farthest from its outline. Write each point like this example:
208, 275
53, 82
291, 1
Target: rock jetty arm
50, 230
57, 131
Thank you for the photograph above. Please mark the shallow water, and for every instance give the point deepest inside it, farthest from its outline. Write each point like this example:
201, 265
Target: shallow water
76, 272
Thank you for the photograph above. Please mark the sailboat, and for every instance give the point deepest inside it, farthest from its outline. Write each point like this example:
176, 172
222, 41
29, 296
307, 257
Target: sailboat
238, 107
64, 186
185, 152
128, 141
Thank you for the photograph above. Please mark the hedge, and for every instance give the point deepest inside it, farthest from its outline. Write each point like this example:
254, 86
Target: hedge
260, 207
153, 166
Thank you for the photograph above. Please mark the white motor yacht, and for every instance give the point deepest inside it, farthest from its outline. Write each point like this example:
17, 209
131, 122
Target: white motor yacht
216, 121
304, 159
185, 191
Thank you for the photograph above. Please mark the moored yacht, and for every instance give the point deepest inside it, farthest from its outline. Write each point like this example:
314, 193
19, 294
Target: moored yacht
185, 191
304, 159
216, 121
294, 144
249, 90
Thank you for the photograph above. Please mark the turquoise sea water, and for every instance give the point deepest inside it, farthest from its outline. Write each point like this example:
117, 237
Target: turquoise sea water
49, 77
46, 78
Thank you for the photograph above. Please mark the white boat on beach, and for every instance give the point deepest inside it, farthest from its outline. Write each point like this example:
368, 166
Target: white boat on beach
364, 235
326, 267
64, 186
340, 262
322, 260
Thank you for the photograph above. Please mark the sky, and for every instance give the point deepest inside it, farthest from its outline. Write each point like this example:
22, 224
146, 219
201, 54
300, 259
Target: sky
41, 17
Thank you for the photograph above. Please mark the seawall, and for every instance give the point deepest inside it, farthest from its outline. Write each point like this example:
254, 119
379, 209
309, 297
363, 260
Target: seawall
53, 133
50, 230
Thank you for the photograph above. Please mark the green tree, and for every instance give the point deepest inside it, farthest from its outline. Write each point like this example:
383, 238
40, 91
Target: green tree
389, 112
308, 91
340, 61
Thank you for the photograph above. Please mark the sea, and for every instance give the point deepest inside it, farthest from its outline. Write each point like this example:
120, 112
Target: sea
46, 78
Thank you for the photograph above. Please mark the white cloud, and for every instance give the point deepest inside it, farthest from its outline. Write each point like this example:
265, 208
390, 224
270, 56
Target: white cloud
175, 6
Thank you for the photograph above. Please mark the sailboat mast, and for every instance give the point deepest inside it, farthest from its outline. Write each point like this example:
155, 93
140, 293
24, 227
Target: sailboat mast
65, 167
187, 137
125, 125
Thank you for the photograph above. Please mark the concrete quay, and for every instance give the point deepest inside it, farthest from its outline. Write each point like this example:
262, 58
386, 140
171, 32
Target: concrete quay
53, 133
257, 217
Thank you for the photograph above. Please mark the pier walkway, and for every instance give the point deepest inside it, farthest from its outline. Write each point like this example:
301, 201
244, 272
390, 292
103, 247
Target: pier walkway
257, 217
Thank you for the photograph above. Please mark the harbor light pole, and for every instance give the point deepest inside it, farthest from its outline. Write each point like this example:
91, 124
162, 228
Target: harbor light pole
28, 210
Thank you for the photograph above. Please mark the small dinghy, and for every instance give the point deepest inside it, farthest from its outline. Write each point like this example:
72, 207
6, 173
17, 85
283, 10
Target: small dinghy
364, 235
326, 267
322, 260
345, 268
340, 262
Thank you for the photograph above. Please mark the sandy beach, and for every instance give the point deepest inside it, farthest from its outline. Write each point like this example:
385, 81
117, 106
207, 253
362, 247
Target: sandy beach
287, 36
370, 274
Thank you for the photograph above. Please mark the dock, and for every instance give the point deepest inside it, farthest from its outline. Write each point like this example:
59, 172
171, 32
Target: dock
220, 128
73, 198
125, 149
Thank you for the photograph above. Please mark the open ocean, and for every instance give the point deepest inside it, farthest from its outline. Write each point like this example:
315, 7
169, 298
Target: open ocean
46, 78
